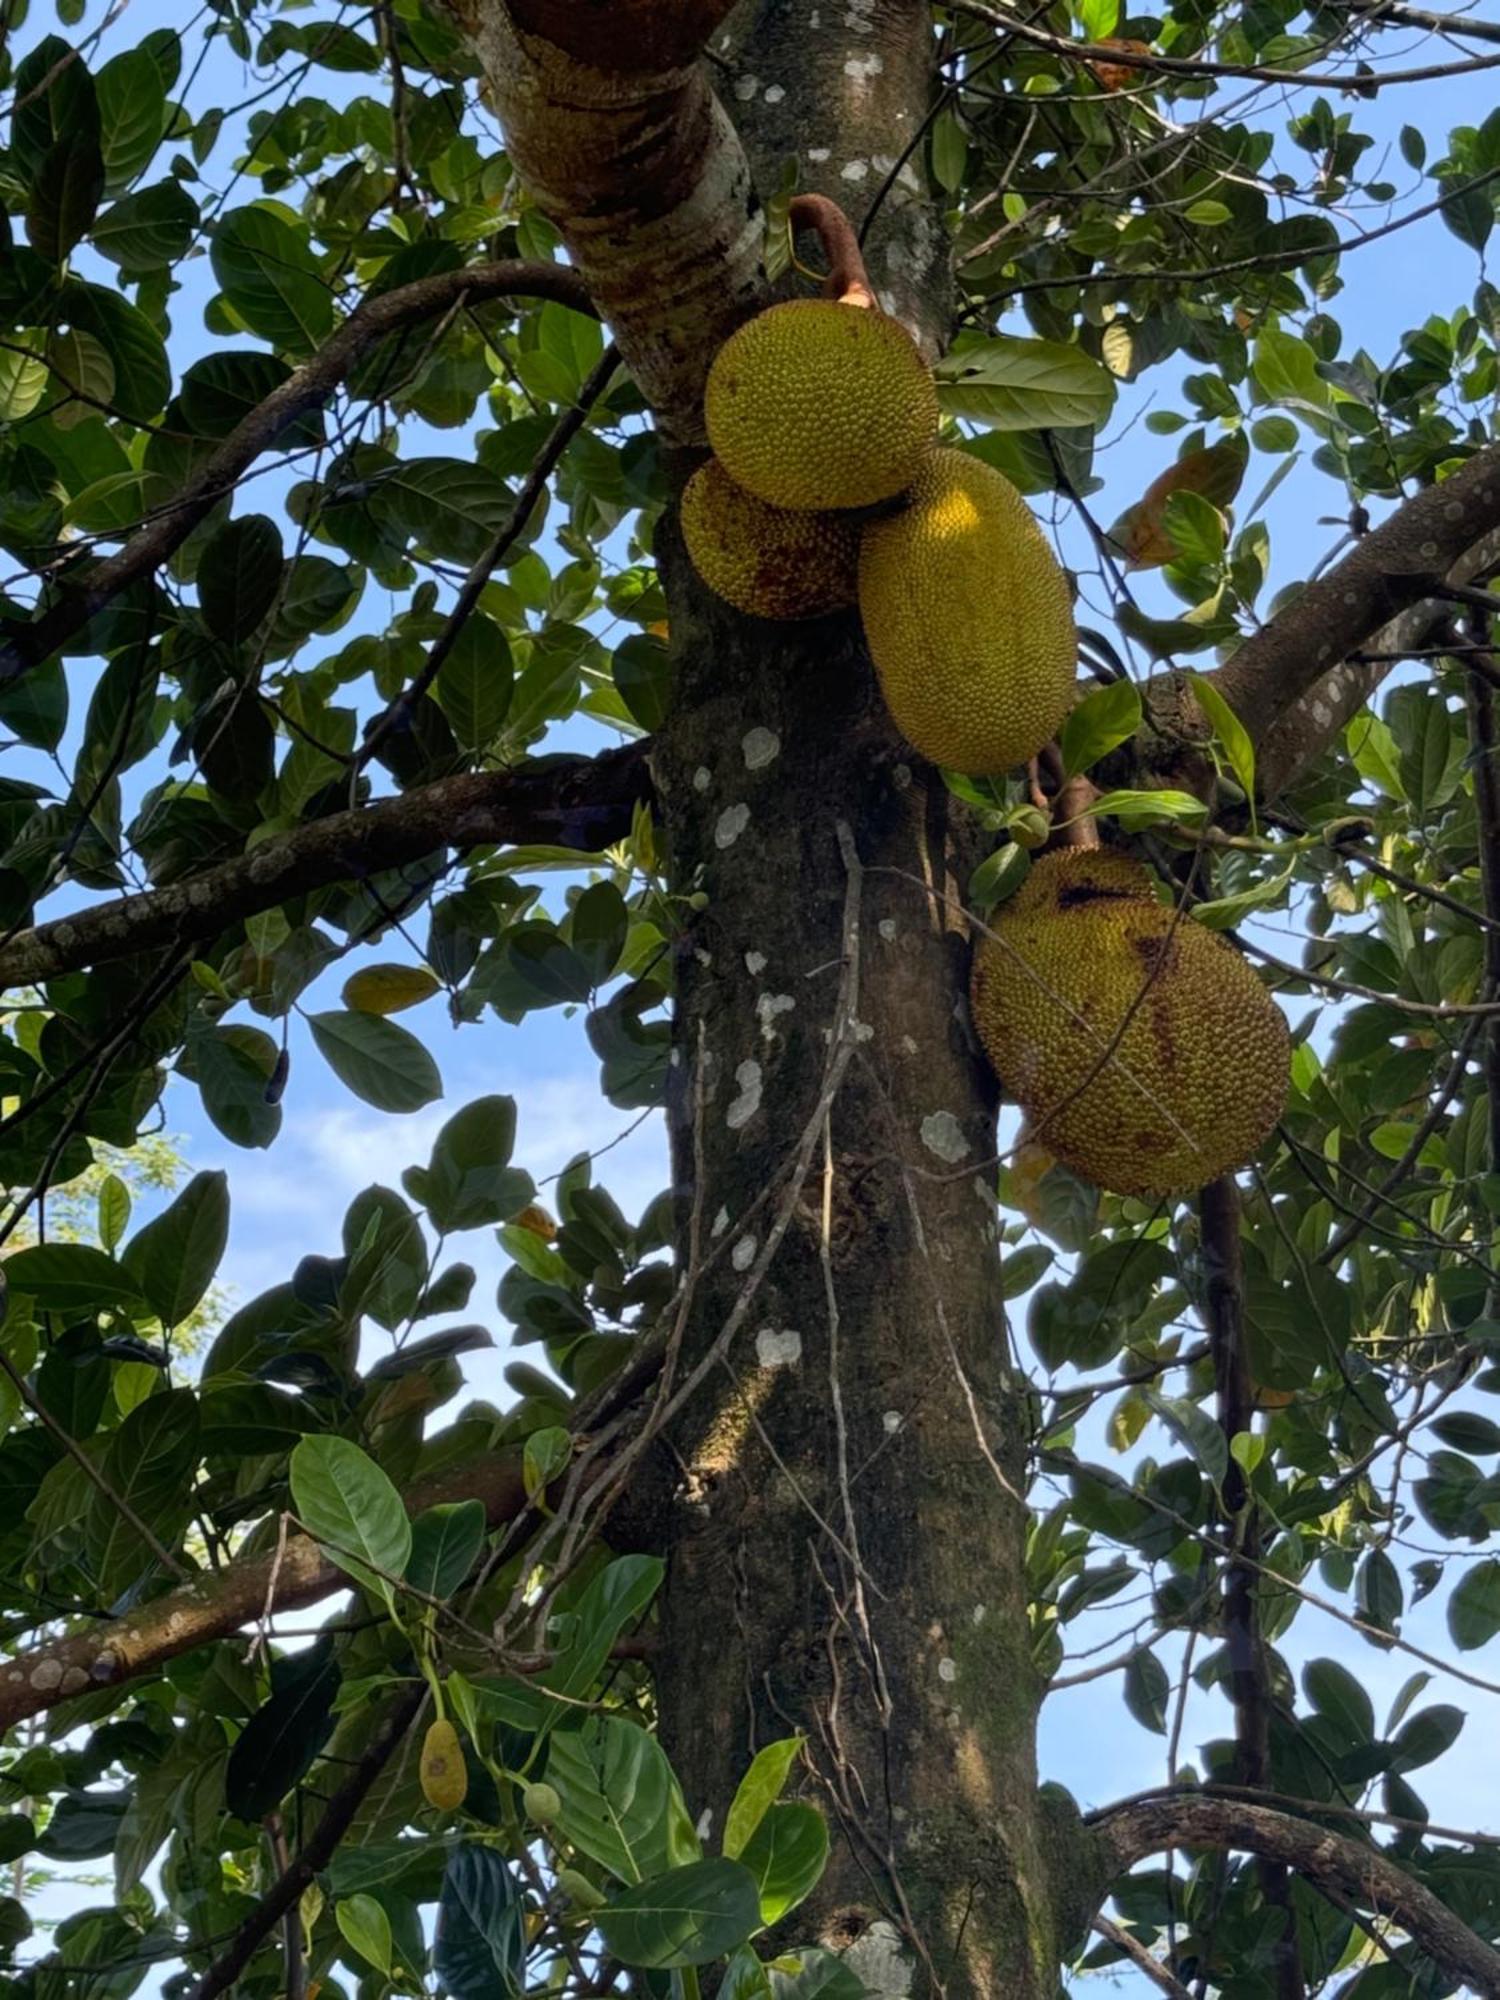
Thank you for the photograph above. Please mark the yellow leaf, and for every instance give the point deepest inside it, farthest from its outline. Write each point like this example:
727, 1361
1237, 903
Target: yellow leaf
538, 1221
1215, 473
387, 989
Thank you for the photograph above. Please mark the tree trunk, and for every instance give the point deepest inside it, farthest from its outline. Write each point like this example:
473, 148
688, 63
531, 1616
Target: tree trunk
846, 1540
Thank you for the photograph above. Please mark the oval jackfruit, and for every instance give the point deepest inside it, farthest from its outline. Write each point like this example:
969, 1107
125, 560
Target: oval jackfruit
968, 619
813, 404
1145, 1052
767, 561
444, 1774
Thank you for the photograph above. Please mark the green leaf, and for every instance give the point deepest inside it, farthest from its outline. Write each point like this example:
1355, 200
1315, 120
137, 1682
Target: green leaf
614, 1599
71, 1278
950, 151
545, 1454
65, 195
239, 574
279, 1744
1196, 1429
1147, 1689
621, 1803
147, 1465
453, 507
136, 351
1230, 731
233, 1068
1013, 384
349, 1506
643, 678
1425, 1736
147, 230
469, 1182
113, 1211
759, 1789
1287, 370
1104, 719
689, 1916
597, 927
174, 1257
445, 1545
1337, 1694
380, 1062
480, 1949
364, 1925
787, 1855
132, 112
1136, 810
820, 1975
475, 683
23, 377
271, 278
1474, 1607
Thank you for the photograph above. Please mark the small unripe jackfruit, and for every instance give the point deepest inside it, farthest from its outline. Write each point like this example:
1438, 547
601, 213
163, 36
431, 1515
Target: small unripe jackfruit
968, 619
1146, 1054
813, 404
767, 561
445, 1777
541, 1803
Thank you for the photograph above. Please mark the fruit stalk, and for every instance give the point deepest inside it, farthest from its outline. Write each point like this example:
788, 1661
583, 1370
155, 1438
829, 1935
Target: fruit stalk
848, 281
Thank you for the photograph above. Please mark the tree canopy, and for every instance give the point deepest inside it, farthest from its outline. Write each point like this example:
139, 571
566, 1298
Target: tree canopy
353, 682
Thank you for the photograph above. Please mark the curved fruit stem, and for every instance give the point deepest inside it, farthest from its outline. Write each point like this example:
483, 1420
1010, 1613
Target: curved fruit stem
1071, 804
848, 281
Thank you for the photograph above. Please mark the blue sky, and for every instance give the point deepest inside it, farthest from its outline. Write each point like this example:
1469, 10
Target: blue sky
290, 1201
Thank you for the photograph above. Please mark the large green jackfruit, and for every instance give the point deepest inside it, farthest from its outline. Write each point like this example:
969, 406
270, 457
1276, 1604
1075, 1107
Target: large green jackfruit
968, 619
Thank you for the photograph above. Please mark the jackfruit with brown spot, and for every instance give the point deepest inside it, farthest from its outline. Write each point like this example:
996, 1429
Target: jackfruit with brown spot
444, 1774
968, 619
1144, 1051
767, 561
817, 405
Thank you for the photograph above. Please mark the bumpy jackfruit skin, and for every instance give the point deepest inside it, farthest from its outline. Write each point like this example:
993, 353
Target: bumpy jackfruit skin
1199, 1075
767, 561
813, 404
968, 619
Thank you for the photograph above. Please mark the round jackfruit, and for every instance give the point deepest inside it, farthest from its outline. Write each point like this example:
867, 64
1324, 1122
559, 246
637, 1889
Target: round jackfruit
445, 1776
767, 561
968, 619
813, 404
1146, 1054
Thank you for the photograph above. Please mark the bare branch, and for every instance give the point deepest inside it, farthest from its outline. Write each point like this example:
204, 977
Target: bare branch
83, 593
1364, 80
578, 802
1136, 1952
619, 139
1350, 1868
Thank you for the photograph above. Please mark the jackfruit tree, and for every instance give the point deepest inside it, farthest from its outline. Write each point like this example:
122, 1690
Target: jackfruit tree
913, 586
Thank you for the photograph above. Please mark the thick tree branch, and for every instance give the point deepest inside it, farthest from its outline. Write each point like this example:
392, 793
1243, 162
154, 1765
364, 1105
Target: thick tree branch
617, 136
1393, 568
220, 1602
84, 593
1127, 1833
578, 802
1303, 731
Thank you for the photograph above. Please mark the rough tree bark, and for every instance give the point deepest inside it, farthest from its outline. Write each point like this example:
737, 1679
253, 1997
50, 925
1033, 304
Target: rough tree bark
844, 1532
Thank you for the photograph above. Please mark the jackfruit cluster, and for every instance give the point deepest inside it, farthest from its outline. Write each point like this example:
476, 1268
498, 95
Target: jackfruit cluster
767, 561
819, 412
1144, 1051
